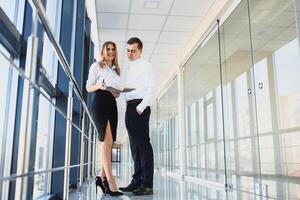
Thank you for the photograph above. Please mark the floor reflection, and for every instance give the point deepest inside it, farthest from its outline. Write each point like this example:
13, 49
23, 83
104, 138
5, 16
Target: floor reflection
165, 188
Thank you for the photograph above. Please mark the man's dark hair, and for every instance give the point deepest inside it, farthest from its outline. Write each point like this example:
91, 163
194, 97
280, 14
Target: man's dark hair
135, 40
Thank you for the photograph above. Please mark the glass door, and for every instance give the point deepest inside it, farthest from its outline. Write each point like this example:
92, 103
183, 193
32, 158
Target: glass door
276, 78
241, 141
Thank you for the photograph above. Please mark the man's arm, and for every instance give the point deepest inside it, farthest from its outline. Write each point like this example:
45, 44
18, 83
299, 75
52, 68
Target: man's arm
150, 92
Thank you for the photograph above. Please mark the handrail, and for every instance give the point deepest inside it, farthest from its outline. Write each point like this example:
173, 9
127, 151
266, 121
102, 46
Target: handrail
32, 173
10, 37
64, 63
37, 88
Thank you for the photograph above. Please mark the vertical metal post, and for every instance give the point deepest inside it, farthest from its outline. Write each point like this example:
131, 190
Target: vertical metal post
68, 143
89, 153
82, 145
70, 110
27, 112
181, 120
227, 185
297, 16
94, 154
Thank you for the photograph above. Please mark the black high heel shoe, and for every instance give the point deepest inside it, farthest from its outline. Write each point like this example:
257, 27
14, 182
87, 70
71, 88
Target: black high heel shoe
108, 191
99, 183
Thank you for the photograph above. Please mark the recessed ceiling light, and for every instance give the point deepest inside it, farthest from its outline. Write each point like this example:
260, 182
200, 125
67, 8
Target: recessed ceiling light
151, 4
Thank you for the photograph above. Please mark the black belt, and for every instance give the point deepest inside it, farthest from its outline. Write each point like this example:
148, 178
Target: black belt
132, 101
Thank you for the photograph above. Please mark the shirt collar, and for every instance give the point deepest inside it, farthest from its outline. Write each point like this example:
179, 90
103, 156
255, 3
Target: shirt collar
137, 60
113, 67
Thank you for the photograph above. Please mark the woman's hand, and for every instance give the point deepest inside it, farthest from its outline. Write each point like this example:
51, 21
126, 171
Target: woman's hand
115, 94
102, 86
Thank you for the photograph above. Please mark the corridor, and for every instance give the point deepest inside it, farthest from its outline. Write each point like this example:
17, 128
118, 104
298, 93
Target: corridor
223, 108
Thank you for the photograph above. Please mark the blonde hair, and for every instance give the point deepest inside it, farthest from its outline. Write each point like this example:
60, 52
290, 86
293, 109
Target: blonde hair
104, 53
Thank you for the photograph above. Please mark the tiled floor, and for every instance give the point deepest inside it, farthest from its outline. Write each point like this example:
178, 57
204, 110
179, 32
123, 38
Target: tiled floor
165, 188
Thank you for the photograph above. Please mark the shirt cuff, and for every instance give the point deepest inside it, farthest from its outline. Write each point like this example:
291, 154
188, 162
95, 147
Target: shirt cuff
141, 107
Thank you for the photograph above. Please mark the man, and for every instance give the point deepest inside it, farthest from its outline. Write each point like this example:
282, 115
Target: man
141, 77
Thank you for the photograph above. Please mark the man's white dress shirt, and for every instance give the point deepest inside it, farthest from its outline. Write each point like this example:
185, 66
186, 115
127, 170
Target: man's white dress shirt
141, 77
97, 74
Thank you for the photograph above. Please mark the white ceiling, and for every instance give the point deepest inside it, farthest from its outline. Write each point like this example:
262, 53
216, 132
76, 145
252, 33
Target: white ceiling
164, 26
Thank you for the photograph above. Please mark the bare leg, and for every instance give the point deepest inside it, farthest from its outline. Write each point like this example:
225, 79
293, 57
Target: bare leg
106, 158
102, 173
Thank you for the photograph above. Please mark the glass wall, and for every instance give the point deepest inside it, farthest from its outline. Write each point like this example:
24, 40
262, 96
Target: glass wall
30, 134
276, 71
165, 134
44, 135
241, 93
9, 87
239, 117
203, 112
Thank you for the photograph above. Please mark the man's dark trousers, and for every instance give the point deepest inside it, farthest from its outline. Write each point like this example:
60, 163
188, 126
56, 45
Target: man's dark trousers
141, 149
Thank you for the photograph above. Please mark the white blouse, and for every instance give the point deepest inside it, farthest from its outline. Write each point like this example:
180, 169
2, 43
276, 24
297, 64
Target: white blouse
99, 74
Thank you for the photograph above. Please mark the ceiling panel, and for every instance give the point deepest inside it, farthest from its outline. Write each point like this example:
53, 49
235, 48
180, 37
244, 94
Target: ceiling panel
178, 23
121, 48
145, 36
160, 65
112, 6
191, 7
154, 22
146, 56
173, 37
148, 48
167, 48
151, 7
112, 20
162, 58
112, 34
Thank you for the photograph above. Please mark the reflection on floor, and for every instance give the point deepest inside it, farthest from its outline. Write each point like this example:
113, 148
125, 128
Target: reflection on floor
165, 188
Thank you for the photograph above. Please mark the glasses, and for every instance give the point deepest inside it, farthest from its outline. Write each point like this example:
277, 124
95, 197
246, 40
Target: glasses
131, 50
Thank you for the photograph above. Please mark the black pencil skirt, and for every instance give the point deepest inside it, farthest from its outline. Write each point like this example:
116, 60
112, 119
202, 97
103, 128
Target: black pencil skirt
104, 110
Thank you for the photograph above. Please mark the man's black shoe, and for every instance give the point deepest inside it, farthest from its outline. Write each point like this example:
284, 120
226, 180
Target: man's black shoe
130, 188
143, 191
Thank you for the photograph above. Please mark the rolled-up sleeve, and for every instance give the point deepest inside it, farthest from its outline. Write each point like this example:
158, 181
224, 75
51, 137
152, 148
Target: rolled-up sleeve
92, 76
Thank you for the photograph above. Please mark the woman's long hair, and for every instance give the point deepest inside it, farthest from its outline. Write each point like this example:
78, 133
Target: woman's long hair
115, 61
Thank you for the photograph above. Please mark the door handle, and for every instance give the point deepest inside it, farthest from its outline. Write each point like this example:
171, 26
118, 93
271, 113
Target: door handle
249, 91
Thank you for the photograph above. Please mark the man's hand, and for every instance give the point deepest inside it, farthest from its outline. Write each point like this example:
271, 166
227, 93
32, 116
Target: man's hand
115, 94
139, 112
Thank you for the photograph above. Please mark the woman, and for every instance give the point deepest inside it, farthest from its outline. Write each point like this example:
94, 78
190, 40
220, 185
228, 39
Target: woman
104, 111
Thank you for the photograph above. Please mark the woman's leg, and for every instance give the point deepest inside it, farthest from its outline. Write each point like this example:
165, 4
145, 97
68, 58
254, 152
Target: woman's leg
106, 157
102, 173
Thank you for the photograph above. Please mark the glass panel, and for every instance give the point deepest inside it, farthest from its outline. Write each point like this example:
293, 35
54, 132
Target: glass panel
210, 121
209, 95
49, 61
9, 7
242, 106
43, 141
263, 97
166, 144
228, 111
4, 77
240, 132
277, 68
201, 78
193, 122
201, 121
44, 135
287, 62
